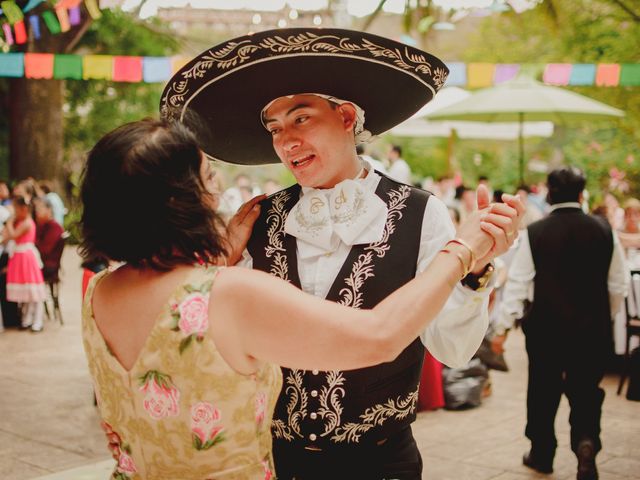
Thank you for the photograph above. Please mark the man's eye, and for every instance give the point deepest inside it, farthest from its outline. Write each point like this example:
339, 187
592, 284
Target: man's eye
274, 131
302, 118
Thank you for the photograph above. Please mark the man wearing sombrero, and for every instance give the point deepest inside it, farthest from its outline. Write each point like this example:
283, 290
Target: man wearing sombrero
344, 232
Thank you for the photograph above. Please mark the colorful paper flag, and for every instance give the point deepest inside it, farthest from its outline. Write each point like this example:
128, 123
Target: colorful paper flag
67, 67
630, 75
63, 19
93, 9
51, 22
457, 74
8, 35
178, 62
557, 73
38, 65
75, 17
68, 4
156, 69
31, 4
20, 32
12, 11
34, 21
12, 65
480, 74
127, 69
608, 75
97, 67
582, 74
505, 72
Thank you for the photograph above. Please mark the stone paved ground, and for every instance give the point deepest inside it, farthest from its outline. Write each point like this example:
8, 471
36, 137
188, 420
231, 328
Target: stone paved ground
49, 427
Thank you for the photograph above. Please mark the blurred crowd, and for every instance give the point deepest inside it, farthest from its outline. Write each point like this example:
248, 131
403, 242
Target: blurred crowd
31, 244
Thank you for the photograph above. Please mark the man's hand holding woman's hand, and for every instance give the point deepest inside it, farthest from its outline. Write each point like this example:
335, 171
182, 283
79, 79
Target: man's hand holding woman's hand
492, 229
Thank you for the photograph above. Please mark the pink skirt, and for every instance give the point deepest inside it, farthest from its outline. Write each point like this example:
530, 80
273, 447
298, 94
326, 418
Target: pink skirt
24, 278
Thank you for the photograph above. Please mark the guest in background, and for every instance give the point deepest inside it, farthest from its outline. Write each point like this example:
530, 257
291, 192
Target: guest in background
375, 163
615, 213
5, 194
57, 205
575, 282
25, 283
399, 169
532, 214
630, 233
49, 241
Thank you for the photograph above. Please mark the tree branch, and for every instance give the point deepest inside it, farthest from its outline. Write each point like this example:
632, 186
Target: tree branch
78, 35
373, 15
623, 6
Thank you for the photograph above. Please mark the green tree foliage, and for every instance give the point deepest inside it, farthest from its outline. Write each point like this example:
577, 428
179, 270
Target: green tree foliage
95, 107
555, 31
579, 31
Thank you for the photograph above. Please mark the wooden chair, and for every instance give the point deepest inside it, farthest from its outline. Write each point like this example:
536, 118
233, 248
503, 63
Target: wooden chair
632, 328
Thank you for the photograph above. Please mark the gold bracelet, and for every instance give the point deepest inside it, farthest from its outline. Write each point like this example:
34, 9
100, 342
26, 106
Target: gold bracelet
472, 262
465, 271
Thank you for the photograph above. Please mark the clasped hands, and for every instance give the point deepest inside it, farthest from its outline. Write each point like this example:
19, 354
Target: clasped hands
491, 230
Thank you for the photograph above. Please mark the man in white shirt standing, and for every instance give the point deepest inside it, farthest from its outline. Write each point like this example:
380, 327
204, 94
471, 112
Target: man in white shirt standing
343, 232
570, 266
399, 169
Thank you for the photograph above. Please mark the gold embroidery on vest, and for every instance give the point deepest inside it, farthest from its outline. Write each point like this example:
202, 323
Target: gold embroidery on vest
375, 416
351, 295
330, 406
333, 393
275, 232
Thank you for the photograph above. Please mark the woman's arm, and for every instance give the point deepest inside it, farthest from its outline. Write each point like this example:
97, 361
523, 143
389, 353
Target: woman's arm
14, 232
256, 316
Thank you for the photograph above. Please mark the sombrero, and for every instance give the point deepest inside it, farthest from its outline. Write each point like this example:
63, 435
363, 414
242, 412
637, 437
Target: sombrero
221, 92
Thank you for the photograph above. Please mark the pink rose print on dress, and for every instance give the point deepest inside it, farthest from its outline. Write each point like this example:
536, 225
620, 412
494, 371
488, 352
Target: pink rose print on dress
204, 426
125, 464
261, 407
160, 395
194, 314
113, 438
268, 475
121, 452
191, 317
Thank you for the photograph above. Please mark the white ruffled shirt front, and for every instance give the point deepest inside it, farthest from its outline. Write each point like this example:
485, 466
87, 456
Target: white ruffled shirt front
349, 214
455, 334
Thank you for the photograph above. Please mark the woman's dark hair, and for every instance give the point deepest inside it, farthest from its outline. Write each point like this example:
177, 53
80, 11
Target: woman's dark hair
20, 201
144, 199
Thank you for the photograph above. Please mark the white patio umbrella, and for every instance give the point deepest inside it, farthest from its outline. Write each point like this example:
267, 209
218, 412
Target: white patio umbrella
525, 98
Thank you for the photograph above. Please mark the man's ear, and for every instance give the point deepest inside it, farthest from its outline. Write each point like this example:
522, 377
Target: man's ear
348, 113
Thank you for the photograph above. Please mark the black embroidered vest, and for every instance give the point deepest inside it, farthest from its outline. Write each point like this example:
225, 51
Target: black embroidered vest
320, 409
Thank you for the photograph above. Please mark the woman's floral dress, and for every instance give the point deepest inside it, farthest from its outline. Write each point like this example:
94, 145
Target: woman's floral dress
182, 412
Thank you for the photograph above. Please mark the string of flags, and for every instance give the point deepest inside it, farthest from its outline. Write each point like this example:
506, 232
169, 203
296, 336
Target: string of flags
481, 75
160, 69
62, 16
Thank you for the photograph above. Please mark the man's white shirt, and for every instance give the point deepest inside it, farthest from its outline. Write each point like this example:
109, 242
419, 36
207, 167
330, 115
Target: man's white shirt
455, 334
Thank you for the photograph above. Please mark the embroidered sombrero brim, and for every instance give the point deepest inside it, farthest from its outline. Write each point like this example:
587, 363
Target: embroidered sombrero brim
221, 92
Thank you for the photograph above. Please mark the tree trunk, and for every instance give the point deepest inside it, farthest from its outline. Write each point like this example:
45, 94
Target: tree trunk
36, 126
36, 134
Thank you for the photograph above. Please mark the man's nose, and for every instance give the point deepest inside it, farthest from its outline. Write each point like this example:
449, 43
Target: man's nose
290, 141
